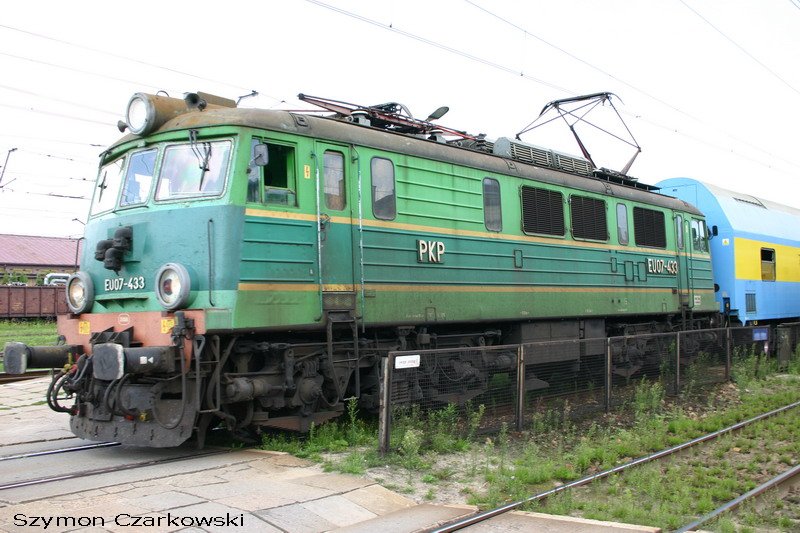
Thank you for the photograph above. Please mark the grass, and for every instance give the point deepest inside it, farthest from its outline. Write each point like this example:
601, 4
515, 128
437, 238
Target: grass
438, 451
31, 332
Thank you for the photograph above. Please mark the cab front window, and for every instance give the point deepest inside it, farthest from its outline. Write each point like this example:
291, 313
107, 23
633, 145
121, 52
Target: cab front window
138, 178
107, 187
191, 171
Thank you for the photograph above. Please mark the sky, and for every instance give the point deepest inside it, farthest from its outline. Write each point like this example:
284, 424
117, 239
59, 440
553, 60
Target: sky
709, 90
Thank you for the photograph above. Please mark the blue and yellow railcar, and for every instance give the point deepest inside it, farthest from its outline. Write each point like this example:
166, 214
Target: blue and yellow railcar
755, 244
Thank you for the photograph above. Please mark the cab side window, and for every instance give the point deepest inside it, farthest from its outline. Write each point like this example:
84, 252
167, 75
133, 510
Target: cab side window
333, 166
699, 236
279, 176
384, 200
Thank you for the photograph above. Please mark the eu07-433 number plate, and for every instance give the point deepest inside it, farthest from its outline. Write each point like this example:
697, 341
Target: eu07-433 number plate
117, 284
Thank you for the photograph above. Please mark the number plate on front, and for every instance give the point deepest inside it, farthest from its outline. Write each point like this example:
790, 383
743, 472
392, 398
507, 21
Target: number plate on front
117, 284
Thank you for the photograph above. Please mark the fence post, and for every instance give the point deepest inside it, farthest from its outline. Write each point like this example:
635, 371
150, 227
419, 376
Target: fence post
678, 364
520, 387
384, 416
608, 374
727, 354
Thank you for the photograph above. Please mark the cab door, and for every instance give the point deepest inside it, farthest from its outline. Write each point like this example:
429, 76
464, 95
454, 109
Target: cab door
336, 174
684, 278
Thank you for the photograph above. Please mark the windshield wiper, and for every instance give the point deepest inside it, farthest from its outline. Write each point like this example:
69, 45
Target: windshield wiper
203, 155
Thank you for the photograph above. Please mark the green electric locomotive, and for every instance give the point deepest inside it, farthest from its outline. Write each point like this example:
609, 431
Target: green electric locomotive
253, 266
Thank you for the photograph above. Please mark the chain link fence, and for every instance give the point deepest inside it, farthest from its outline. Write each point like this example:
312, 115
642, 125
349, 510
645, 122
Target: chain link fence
486, 388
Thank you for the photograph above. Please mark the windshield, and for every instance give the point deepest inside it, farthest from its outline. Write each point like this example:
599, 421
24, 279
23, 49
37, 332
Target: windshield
138, 178
193, 170
107, 189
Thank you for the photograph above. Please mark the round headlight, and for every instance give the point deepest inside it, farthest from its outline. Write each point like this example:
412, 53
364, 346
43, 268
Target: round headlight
140, 114
80, 292
173, 286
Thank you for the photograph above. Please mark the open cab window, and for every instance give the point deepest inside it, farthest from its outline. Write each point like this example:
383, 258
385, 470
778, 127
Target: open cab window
278, 175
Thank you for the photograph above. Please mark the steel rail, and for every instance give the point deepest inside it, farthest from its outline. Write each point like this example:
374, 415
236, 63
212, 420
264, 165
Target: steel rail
480, 517
5, 379
59, 450
107, 470
774, 482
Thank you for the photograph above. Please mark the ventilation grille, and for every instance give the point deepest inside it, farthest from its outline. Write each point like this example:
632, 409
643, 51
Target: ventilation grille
750, 302
542, 211
751, 201
338, 300
542, 157
649, 228
588, 218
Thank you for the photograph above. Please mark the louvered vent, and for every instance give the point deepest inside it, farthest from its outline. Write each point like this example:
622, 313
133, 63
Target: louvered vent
588, 218
648, 227
542, 157
542, 211
750, 302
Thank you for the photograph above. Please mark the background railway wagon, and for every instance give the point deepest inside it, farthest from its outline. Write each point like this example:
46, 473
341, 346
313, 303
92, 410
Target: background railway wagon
755, 246
32, 302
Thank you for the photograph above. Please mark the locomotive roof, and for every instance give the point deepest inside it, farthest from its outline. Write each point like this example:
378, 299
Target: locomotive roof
347, 132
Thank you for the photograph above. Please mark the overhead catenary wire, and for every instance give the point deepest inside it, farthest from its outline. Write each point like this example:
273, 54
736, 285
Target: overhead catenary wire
642, 91
741, 48
504, 68
131, 59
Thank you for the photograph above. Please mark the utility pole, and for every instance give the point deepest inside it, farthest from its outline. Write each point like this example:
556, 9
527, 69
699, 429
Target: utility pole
3, 172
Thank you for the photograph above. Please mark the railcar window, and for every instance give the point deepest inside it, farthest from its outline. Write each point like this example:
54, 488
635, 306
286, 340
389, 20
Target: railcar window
648, 228
767, 264
622, 223
588, 218
492, 213
333, 166
384, 200
191, 171
138, 178
108, 183
699, 236
679, 231
542, 211
279, 175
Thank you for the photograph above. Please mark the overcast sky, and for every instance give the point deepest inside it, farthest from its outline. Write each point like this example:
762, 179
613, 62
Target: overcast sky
710, 89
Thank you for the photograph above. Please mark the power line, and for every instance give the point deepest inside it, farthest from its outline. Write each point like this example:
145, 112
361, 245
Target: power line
45, 139
542, 82
79, 71
441, 46
65, 158
131, 59
53, 114
659, 100
578, 59
58, 100
741, 48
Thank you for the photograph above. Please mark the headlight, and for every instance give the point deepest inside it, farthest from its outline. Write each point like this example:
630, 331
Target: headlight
80, 292
173, 286
148, 112
140, 114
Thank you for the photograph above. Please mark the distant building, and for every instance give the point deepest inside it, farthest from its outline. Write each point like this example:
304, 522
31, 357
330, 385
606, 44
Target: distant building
27, 259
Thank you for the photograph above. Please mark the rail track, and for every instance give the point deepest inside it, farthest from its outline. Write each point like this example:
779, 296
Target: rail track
99, 471
488, 515
33, 374
790, 477
59, 450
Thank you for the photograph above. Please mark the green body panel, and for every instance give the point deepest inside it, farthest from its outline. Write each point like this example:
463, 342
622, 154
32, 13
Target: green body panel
264, 266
